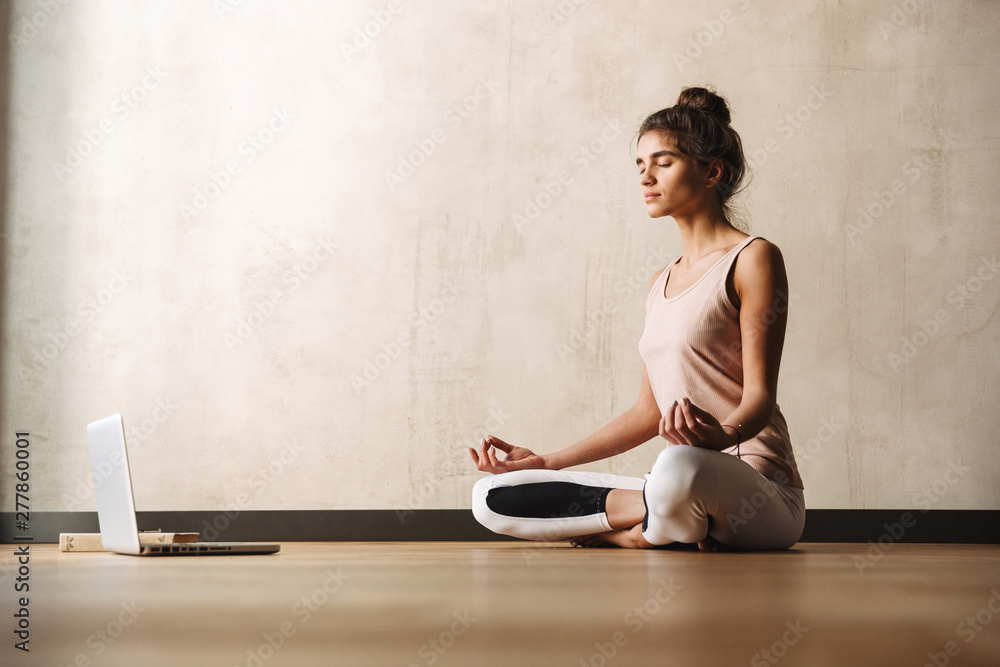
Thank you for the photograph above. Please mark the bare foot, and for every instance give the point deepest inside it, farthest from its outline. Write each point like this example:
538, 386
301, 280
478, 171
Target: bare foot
591, 541
627, 538
613, 538
711, 544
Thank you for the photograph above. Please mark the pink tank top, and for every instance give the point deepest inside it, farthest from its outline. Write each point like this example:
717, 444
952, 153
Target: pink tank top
692, 347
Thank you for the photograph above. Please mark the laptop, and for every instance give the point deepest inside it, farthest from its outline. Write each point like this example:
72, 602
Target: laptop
116, 507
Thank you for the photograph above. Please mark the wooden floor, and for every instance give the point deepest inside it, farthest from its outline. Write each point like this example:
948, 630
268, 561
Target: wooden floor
513, 603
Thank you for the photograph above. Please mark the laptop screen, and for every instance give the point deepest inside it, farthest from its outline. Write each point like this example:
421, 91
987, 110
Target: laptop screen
113, 485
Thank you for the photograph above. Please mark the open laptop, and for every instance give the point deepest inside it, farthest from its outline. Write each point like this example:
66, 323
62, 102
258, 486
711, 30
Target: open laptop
116, 507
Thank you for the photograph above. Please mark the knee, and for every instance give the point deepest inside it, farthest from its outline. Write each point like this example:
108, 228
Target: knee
678, 473
479, 508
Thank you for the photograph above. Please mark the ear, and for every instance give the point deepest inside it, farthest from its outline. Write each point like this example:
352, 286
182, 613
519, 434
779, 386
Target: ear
713, 173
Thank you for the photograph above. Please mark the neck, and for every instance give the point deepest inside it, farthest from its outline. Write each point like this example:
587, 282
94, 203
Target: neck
703, 232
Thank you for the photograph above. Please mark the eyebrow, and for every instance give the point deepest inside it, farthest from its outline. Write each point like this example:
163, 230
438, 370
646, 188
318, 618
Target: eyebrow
657, 154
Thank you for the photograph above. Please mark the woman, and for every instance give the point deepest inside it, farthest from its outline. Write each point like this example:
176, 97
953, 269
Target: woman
715, 326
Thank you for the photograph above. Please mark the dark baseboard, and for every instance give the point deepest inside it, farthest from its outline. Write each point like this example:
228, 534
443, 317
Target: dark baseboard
879, 526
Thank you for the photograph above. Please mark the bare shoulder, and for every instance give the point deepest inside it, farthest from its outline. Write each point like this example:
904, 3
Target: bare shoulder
760, 259
759, 272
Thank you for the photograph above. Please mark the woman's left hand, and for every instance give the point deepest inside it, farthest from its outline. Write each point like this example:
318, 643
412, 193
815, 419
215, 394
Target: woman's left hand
684, 423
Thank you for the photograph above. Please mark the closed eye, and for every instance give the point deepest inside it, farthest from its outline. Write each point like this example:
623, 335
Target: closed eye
659, 164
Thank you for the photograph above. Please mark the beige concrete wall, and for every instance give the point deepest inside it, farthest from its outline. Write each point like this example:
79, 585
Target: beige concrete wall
310, 272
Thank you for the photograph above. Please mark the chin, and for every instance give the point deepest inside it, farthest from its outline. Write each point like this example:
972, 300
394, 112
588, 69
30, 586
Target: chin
656, 212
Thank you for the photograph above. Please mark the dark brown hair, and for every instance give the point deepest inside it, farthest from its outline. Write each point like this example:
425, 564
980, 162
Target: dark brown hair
699, 125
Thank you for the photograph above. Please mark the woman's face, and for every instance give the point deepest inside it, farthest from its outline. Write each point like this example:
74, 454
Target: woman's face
672, 184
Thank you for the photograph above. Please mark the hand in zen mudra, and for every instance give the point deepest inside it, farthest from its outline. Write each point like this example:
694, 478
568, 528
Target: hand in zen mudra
516, 458
684, 423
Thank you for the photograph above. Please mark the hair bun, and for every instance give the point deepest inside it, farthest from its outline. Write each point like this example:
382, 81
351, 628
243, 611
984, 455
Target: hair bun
705, 100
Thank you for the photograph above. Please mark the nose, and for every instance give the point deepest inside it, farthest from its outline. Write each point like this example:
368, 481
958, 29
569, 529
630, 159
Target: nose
645, 178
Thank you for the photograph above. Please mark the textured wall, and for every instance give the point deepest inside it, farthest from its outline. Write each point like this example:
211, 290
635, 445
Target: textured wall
312, 252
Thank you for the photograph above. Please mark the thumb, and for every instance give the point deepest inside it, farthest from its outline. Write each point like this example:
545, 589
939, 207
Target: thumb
702, 415
498, 443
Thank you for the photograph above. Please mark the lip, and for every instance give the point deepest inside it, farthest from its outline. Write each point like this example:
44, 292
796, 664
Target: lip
650, 195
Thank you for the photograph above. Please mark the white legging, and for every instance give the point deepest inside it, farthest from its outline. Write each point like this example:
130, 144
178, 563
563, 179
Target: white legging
690, 493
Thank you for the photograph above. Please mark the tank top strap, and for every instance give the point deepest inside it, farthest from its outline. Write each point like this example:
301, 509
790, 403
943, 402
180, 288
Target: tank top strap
722, 270
735, 252
743, 244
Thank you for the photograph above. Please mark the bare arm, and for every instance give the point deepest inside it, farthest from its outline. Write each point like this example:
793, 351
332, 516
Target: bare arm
762, 288
626, 431
630, 429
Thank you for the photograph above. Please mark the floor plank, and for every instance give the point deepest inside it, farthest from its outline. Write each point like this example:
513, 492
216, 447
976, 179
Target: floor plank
513, 603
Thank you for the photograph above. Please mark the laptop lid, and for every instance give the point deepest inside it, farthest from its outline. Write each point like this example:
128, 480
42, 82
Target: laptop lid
113, 485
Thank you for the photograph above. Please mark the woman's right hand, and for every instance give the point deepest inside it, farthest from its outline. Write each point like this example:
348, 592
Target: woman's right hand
515, 458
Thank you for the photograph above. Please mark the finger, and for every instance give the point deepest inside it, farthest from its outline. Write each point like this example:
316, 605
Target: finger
485, 460
475, 457
673, 435
684, 434
695, 427
498, 443
493, 459
665, 427
686, 427
694, 409
702, 415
